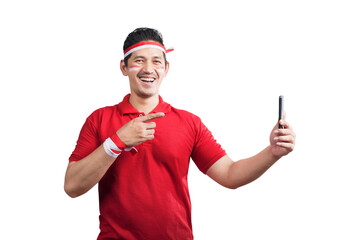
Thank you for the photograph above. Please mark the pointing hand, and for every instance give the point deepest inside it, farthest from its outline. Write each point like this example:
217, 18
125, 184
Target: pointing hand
139, 130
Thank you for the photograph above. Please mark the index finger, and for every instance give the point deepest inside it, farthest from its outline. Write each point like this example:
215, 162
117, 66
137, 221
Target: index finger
151, 116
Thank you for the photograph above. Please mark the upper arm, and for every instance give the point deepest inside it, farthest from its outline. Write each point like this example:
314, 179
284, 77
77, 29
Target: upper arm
207, 151
219, 171
87, 142
71, 163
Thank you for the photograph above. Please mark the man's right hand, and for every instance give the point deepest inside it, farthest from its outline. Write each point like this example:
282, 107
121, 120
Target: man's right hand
139, 130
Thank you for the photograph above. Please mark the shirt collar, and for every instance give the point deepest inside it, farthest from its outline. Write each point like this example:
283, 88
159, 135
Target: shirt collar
126, 108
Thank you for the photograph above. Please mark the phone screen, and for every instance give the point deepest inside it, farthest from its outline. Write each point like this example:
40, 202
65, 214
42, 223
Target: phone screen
281, 109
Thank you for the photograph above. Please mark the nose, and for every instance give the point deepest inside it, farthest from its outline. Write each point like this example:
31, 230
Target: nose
148, 67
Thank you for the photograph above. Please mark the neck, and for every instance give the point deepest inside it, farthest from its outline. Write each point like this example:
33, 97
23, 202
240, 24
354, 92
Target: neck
144, 105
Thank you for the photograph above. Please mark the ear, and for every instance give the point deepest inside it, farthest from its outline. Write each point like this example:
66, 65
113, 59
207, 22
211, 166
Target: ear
123, 68
167, 68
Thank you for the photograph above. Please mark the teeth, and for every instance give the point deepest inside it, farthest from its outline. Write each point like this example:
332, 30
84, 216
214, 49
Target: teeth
147, 79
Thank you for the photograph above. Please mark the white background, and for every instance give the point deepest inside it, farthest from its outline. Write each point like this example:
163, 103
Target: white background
59, 61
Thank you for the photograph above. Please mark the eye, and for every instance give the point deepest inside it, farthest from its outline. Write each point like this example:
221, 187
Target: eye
139, 60
157, 62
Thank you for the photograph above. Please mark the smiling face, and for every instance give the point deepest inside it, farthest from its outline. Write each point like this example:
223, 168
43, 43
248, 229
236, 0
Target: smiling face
146, 69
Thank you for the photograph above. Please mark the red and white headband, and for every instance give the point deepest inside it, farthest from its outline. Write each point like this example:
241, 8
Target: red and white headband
142, 45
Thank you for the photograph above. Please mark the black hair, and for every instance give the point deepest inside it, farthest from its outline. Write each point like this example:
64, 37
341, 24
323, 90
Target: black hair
140, 35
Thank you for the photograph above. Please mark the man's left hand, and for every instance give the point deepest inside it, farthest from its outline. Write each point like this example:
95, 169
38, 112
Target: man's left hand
282, 141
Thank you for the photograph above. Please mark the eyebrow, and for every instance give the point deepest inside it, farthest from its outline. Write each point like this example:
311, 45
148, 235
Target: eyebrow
139, 56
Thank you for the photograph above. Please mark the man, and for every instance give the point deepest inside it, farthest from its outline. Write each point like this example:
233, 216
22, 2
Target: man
138, 152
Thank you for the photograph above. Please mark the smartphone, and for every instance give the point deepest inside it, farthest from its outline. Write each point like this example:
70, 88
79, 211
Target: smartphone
281, 109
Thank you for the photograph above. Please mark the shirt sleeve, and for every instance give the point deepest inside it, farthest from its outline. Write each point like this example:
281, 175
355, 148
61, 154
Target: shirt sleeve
206, 150
87, 142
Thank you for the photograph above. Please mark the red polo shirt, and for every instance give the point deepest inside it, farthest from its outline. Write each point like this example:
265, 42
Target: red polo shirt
145, 195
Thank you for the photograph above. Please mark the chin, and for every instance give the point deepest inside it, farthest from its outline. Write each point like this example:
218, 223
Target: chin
147, 94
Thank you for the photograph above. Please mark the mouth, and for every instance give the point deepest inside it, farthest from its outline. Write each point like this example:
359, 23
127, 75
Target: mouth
147, 79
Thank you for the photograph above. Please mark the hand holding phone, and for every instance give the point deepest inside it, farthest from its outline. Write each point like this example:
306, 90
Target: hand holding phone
281, 109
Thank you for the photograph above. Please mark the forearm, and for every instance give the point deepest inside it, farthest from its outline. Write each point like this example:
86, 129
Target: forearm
247, 170
232, 174
82, 175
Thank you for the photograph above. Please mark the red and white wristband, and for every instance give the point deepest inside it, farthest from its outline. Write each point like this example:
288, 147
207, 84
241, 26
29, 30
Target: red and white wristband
114, 146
